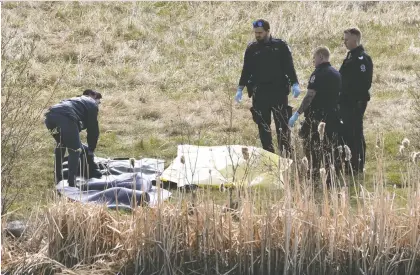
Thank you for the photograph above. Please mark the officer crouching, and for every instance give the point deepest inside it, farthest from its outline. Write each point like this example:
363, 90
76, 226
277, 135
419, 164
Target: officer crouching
320, 129
65, 120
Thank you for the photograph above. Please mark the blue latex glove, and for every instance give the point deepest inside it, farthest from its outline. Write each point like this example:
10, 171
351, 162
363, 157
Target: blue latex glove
295, 90
238, 96
293, 119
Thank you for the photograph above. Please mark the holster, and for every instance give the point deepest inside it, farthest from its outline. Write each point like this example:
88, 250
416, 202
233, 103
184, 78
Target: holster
289, 111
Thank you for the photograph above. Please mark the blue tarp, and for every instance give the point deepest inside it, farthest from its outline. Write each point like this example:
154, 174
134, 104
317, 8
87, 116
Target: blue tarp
122, 185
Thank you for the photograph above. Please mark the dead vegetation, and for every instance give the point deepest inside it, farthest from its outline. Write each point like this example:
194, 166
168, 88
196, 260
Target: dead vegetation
168, 73
305, 229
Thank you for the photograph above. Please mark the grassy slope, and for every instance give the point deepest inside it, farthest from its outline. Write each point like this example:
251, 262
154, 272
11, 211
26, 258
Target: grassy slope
168, 71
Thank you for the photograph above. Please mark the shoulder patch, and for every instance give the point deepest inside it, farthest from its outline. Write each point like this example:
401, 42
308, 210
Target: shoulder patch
312, 80
363, 68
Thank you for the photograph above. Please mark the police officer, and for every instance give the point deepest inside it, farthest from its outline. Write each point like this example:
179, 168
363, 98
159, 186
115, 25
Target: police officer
320, 105
268, 72
356, 72
65, 120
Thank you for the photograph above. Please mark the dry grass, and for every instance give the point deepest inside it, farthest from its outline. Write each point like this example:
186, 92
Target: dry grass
160, 65
168, 73
304, 230
185, 58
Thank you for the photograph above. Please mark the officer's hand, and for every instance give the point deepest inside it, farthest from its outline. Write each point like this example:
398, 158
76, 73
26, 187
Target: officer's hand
296, 90
238, 96
293, 119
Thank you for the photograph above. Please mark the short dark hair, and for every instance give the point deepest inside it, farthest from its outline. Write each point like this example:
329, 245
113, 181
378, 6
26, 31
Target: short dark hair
93, 93
261, 23
354, 31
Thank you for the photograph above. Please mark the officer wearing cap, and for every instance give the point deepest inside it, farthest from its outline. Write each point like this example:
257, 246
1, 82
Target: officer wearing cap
356, 72
268, 72
65, 120
320, 106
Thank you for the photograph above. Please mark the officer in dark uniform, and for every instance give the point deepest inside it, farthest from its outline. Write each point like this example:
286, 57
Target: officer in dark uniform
356, 72
65, 120
268, 72
320, 106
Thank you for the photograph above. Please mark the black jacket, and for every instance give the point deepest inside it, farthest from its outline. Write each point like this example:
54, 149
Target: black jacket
356, 72
326, 81
268, 63
84, 111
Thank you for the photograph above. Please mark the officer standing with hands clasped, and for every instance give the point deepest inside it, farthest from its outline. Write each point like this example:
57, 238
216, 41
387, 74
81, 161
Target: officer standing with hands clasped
356, 72
65, 120
268, 72
320, 128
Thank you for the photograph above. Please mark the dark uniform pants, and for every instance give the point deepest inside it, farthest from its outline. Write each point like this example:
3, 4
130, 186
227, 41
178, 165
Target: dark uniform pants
321, 153
267, 101
352, 116
66, 134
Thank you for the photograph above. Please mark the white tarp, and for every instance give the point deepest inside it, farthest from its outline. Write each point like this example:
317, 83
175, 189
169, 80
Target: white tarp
236, 164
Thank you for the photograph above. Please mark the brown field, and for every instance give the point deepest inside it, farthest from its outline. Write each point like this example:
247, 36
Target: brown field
168, 73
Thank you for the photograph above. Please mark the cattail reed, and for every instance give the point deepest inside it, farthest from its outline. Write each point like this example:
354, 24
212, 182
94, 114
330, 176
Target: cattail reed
321, 130
347, 152
401, 149
405, 143
305, 164
415, 156
323, 173
340, 150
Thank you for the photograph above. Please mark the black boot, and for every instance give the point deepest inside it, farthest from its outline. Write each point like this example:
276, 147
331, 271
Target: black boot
73, 165
58, 163
94, 171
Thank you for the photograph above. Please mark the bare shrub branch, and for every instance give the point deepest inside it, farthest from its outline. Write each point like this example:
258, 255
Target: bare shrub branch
23, 102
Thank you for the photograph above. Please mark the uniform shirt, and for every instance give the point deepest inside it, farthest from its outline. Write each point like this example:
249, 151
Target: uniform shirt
268, 63
326, 81
356, 72
84, 111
